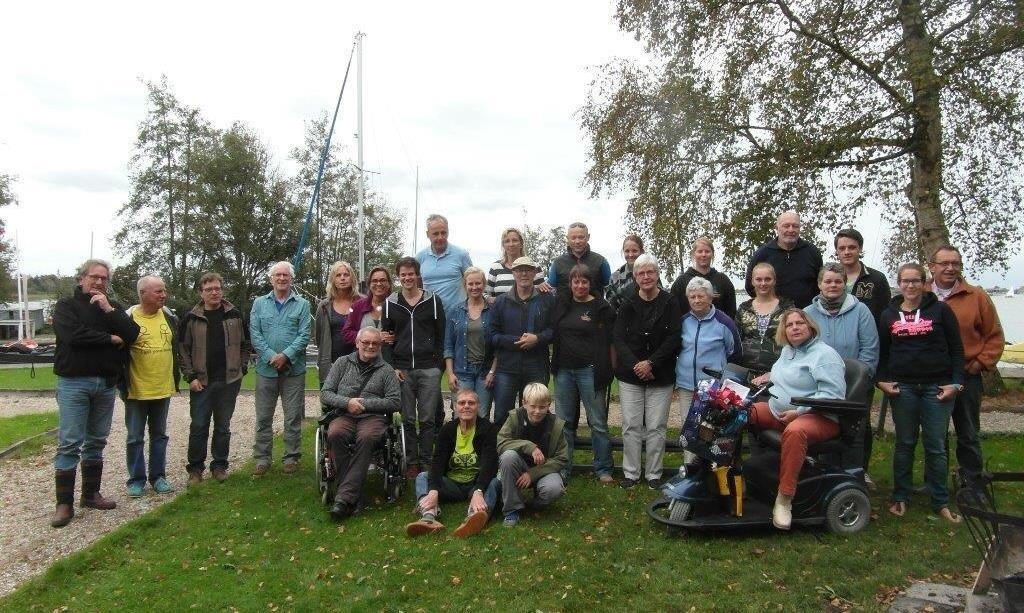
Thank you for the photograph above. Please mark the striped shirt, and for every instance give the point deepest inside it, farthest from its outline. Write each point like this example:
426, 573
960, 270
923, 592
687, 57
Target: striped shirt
500, 280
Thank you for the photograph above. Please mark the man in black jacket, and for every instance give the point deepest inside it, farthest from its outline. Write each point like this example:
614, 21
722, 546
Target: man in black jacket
866, 284
93, 332
415, 323
795, 260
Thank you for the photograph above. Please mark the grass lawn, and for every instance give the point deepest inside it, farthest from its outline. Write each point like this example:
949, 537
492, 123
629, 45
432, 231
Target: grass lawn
20, 427
267, 543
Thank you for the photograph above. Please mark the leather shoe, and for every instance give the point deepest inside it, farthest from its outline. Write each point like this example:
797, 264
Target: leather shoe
194, 478
62, 515
341, 511
95, 500
220, 474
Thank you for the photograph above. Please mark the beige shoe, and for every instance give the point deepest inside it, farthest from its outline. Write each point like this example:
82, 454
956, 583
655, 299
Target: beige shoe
782, 514
473, 525
606, 479
423, 526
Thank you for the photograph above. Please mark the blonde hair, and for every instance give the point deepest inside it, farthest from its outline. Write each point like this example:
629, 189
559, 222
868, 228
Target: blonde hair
522, 242
333, 291
536, 393
780, 333
703, 240
472, 270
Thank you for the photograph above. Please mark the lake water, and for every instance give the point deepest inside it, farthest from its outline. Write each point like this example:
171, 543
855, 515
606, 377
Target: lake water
1011, 315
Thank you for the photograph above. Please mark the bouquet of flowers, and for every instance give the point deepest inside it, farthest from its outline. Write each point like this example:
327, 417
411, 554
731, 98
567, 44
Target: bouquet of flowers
717, 416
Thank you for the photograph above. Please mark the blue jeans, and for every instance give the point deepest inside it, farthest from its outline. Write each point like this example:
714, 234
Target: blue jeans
86, 406
216, 401
476, 380
915, 410
571, 384
137, 413
507, 386
452, 491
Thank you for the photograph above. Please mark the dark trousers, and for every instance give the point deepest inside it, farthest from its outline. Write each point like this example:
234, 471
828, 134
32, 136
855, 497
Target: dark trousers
967, 423
216, 402
352, 441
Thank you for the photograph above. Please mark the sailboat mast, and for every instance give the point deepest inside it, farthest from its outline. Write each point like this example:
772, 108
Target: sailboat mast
359, 141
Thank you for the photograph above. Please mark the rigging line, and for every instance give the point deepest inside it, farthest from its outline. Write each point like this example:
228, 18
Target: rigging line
297, 262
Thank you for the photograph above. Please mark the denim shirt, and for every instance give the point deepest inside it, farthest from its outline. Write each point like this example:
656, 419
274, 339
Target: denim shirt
456, 337
283, 329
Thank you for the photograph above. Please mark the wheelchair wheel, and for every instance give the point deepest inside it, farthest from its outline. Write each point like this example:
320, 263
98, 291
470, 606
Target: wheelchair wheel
394, 465
848, 512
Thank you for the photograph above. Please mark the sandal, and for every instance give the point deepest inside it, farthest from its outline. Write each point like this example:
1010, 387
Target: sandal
949, 516
898, 508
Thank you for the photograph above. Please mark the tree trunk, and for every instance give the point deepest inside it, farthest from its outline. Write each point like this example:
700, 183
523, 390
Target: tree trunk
925, 186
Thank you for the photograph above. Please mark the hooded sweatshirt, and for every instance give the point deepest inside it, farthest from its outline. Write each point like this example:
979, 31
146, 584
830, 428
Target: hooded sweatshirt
812, 370
921, 346
418, 330
851, 331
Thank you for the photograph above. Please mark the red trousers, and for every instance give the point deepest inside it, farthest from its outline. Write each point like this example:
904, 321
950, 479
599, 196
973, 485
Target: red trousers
805, 430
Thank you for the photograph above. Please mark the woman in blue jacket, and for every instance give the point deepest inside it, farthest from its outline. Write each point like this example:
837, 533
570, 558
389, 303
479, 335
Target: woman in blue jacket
710, 340
468, 357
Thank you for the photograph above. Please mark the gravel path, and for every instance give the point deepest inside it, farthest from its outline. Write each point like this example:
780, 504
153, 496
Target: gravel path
29, 545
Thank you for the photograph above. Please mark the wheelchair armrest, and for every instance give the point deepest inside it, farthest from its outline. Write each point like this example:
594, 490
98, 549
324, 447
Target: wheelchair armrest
845, 408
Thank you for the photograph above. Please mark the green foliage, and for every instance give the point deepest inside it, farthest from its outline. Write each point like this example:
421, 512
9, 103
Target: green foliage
267, 543
743, 110
7, 196
334, 234
543, 246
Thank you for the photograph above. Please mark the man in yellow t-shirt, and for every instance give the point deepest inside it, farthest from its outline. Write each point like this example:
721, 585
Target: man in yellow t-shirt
152, 379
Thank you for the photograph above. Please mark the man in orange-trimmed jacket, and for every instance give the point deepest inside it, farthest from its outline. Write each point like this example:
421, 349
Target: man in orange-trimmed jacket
983, 340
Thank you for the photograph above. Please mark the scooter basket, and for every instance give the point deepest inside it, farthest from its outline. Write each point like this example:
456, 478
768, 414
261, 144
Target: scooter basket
712, 427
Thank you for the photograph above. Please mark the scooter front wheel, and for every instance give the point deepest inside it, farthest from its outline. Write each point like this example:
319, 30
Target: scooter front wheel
848, 512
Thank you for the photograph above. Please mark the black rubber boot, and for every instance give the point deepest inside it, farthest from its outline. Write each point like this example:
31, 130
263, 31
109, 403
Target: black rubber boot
92, 478
65, 483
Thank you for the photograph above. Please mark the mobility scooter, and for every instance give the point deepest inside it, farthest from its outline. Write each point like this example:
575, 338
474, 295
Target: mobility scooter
722, 491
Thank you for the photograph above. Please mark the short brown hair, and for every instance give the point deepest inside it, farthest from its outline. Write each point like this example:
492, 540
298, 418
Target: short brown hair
580, 271
780, 333
912, 266
407, 262
210, 277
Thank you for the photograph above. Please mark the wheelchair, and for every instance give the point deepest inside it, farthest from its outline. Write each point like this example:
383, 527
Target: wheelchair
388, 461
715, 494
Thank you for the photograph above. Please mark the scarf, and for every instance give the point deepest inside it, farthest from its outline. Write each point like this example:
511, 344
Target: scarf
833, 306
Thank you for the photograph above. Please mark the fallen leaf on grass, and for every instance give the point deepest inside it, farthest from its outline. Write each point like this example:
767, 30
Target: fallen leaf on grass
456, 581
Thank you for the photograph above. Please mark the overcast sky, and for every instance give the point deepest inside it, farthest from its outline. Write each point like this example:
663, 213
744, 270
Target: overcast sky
483, 97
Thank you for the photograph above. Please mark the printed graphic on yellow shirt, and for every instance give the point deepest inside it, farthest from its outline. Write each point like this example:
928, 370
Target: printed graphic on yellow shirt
151, 373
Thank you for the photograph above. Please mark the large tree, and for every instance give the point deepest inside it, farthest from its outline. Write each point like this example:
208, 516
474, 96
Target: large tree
743, 109
246, 219
334, 232
155, 233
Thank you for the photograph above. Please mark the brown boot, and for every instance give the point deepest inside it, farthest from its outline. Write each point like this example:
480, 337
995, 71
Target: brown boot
65, 482
92, 477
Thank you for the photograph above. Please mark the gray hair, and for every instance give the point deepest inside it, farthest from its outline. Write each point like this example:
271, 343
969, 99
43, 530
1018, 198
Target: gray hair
144, 282
785, 213
88, 264
646, 260
698, 283
436, 217
366, 330
291, 269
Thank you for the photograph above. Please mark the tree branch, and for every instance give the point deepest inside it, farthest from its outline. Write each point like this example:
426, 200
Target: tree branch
801, 28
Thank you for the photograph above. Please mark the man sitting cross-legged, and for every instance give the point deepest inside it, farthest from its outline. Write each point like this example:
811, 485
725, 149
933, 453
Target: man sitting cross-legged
463, 467
533, 453
360, 390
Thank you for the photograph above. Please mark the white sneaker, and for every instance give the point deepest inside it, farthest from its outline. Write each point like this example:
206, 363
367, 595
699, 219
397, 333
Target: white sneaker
782, 514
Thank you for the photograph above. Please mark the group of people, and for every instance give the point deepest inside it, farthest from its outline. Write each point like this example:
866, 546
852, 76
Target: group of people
499, 335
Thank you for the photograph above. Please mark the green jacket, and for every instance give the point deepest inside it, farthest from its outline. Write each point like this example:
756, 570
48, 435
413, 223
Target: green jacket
512, 437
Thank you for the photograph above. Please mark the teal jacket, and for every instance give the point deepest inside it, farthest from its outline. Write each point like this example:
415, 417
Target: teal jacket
276, 331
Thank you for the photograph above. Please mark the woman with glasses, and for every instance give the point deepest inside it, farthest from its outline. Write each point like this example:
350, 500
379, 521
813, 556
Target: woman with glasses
331, 314
367, 310
922, 369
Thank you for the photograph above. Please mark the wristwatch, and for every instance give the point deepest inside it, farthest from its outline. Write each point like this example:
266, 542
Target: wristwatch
958, 387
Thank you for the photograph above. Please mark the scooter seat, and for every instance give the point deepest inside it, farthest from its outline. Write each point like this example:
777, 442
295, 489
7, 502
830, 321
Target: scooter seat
773, 439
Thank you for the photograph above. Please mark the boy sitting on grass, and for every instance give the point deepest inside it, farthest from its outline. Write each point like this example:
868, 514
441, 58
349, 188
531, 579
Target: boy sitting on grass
532, 452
